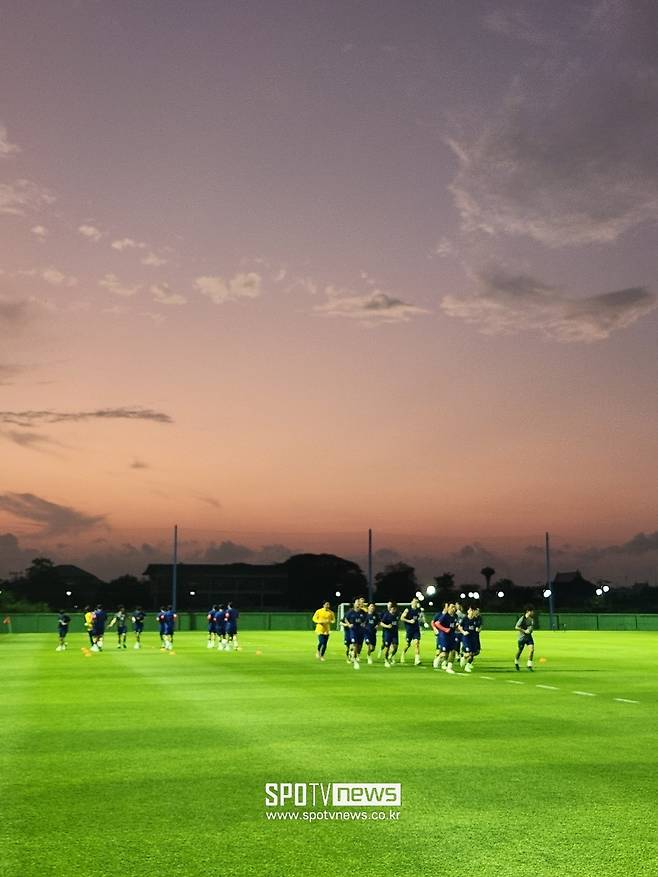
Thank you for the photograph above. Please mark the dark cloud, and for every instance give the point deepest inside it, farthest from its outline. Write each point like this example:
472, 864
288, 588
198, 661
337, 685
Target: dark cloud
52, 518
639, 545
370, 308
228, 552
13, 558
13, 312
35, 441
507, 302
30, 418
8, 372
139, 464
211, 501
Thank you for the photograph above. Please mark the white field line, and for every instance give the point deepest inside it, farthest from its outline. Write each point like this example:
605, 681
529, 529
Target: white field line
514, 682
625, 700
549, 687
584, 693
490, 678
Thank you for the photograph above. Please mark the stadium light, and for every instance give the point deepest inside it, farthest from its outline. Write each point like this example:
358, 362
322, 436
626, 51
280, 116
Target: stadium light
501, 594
430, 590
192, 593
420, 595
338, 593
429, 604
462, 596
547, 593
68, 593
471, 594
599, 591
605, 589
476, 595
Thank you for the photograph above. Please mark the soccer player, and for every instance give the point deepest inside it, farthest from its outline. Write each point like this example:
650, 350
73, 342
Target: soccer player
169, 626
525, 626
62, 629
138, 626
354, 623
389, 625
89, 615
98, 619
323, 619
444, 624
411, 619
469, 627
121, 620
460, 615
370, 630
212, 626
161, 622
220, 627
231, 620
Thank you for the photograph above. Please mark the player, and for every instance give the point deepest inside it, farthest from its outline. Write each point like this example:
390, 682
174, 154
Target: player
460, 615
411, 619
89, 623
444, 624
220, 627
389, 625
323, 619
525, 626
231, 620
138, 625
354, 623
121, 620
370, 630
170, 619
212, 626
62, 629
98, 619
469, 627
161, 622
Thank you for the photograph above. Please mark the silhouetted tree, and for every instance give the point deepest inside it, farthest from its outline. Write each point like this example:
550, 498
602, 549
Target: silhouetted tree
488, 572
397, 581
446, 581
41, 584
314, 578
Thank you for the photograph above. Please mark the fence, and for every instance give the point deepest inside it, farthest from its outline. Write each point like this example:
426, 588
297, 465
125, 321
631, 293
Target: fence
46, 622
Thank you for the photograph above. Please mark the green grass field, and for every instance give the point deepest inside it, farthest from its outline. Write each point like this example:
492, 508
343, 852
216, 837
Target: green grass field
149, 763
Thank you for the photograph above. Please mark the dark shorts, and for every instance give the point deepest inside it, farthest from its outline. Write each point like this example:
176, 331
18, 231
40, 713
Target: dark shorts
63, 631
370, 639
413, 632
526, 640
97, 630
390, 637
121, 630
356, 635
231, 629
471, 645
323, 639
168, 630
138, 627
212, 628
445, 642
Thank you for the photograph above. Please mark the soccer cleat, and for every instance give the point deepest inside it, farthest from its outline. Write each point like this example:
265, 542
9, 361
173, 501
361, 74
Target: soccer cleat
369, 660
516, 667
357, 666
95, 648
322, 658
435, 663
416, 660
449, 669
468, 668
210, 645
386, 663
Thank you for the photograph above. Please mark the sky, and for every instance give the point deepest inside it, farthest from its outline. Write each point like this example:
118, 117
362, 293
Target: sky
280, 273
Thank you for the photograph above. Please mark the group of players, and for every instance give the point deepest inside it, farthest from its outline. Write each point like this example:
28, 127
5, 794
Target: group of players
457, 634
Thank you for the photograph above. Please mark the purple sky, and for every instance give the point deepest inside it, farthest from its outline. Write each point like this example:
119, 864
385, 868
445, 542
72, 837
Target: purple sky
281, 272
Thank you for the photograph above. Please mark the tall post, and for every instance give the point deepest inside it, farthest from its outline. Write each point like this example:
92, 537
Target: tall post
370, 593
174, 575
551, 599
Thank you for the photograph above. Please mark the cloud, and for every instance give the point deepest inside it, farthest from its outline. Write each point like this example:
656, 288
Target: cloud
6, 148
112, 283
40, 232
30, 418
444, 248
90, 232
371, 308
139, 464
22, 196
575, 160
639, 545
153, 260
162, 293
219, 290
127, 244
8, 371
505, 303
55, 277
13, 313
53, 519
209, 500
13, 558
33, 441
516, 23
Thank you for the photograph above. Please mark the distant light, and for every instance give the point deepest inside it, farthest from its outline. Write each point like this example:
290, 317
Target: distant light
419, 595
501, 594
476, 595
605, 589
429, 604
463, 596
338, 593
547, 592
471, 594
68, 593
192, 593
599, 591
431, 590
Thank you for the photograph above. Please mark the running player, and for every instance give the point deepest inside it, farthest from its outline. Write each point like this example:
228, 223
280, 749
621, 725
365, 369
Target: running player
98, 619
411, 619
89, 623
389, 624
169, 626
323, 619
444, 624
220, 627
525, 626
121, 620
231, 619
138, 626
370, 630
468, 627
212, 626
354, 623
161, 622
62, 629
460, 615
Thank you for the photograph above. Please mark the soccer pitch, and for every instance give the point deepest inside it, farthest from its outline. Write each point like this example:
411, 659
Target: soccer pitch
151, 763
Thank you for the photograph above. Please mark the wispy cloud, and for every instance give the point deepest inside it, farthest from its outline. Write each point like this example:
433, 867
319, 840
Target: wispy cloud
640, 544
505, 303
23, 196
372, 308
127, 244
52, 518
55, 277
153, 260
40, 232
9, 371
13, 312
240, 286
163, 294
112, 283
90, 232
32, 418
139, 464
7, 148
34, 441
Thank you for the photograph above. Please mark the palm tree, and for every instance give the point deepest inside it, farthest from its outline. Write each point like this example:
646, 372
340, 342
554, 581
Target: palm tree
488, 572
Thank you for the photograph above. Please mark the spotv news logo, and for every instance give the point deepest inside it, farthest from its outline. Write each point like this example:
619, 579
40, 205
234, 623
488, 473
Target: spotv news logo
318, 795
